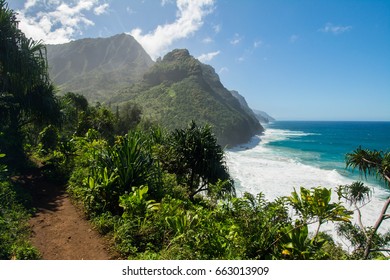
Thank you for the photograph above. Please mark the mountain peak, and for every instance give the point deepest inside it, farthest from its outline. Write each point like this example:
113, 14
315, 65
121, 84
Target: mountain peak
177, 54
97, 67
175, 66
179, 88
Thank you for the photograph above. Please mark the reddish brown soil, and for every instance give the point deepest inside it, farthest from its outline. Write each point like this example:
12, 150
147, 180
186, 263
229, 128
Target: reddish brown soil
60, 230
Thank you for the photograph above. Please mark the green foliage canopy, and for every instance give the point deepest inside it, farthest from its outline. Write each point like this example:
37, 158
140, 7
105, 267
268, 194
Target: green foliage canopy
199, 160
26, 93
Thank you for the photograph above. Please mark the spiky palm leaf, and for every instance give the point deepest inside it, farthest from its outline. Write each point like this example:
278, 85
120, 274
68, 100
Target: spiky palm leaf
355, 193
372, 163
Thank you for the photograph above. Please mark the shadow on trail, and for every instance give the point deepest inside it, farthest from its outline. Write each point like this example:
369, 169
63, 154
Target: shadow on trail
45, 195
58, 229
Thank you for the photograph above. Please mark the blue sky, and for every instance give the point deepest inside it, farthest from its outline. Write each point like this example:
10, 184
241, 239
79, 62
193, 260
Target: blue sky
296, 60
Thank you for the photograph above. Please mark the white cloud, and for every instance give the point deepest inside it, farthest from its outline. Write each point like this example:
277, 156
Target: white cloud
102, 9
57, 22
207, 40
223, 70
189, 19
236, 40
208, 56
53, 2
29, 4
334, 29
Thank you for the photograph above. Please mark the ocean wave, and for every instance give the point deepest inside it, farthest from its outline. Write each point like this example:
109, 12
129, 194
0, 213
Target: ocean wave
257, 167
273, 135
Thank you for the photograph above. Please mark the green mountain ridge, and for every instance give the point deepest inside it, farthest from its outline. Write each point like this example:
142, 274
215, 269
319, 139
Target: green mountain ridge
172, 91
179, 89
99, 67
262, 116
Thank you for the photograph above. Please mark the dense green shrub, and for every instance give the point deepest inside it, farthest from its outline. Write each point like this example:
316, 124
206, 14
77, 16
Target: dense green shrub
48, 139
141, 190
103, 173
14, 229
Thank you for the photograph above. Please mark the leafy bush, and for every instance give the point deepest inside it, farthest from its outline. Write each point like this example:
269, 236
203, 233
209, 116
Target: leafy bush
141, 190
48, 139
82, 186
14, 230
104, 173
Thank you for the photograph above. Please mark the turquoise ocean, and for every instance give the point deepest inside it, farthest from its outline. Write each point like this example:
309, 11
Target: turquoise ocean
291, 154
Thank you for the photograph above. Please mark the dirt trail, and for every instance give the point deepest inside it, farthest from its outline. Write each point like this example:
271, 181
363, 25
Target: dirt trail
59, 230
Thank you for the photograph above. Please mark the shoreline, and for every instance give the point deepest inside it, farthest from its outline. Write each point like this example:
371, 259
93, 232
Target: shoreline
257, 167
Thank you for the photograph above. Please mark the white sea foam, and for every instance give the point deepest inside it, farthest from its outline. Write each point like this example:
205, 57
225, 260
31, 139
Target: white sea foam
257, 167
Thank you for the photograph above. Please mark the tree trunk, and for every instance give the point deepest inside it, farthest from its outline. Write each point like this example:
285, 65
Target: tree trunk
376, 226
360, 221
318, 229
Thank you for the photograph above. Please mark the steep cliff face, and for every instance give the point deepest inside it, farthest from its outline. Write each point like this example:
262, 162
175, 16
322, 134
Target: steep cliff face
243, 103
262, 116
180, 88
97, 68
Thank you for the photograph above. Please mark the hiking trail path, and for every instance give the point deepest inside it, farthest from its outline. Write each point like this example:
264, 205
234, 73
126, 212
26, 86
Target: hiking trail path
60, 230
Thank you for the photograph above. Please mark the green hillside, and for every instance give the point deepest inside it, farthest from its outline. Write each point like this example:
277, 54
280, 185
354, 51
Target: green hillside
99, 67
179, 88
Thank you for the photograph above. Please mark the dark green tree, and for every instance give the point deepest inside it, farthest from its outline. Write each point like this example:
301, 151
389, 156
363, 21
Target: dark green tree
73, 107
48, 139
127, 117
356, 194
99, 118
199, 160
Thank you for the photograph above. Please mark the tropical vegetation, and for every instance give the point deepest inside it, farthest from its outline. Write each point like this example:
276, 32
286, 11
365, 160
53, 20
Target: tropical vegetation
157, 193
97, 67
179, 88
